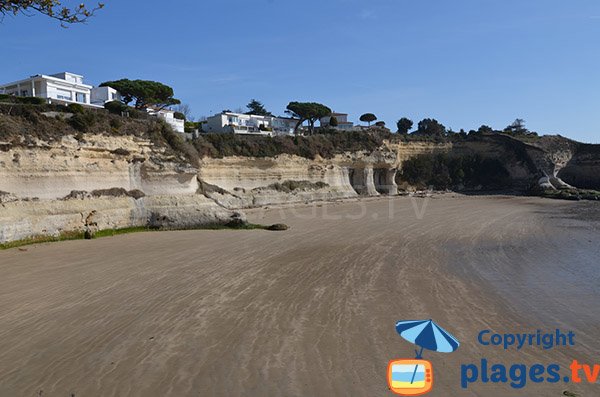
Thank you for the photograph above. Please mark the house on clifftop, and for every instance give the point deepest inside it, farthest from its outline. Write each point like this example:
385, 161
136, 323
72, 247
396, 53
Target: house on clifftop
60, 88
65, 88
248, 124
169, 117
342, 121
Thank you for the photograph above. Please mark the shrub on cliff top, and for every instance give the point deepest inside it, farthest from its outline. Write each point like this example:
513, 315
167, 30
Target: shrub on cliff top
115, 107
24, 125
82, 121
163, 133
24, 100
442, 172
75, 108
326, 144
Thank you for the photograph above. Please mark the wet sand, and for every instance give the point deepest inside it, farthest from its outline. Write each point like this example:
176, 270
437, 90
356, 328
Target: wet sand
306, 312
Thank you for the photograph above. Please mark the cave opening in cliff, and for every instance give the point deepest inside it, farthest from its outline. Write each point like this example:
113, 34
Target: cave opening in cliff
381, 180
351, 176
358, 180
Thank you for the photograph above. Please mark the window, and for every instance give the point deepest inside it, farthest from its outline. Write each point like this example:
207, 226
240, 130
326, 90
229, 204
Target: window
24, 93
63, 94
80, 97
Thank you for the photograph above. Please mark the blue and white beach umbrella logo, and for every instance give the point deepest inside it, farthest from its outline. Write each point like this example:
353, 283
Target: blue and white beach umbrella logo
409, 377
427, 335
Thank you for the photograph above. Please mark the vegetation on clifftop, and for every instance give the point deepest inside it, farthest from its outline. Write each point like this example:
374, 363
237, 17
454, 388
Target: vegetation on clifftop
25, 124
326, 144
442, 172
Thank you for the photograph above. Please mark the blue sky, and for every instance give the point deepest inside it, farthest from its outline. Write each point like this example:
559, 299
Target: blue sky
463, 62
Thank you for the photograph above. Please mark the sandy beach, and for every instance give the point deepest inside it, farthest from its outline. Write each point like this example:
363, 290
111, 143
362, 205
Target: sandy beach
305, 312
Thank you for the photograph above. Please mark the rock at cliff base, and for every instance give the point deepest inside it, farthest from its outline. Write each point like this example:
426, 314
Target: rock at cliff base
278, 227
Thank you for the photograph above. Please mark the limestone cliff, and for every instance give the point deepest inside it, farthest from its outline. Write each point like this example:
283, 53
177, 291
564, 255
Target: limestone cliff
105, 181
243, 182
108, 181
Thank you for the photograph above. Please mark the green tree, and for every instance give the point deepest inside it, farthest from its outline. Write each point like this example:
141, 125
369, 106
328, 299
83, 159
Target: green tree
484, 129
307, 111
430, 127
51, 8
333, 121
115, 107
257, 108
144, 93
404, 125
368, 118
517, 128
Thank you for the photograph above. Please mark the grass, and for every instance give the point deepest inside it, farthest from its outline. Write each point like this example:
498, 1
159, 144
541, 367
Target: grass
125, 230
571, 194
67, 236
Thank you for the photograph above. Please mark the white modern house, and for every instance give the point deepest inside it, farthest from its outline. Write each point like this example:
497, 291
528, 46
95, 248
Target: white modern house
69, 87
342, 119
101, 95
249, 124
168, 116
61, 87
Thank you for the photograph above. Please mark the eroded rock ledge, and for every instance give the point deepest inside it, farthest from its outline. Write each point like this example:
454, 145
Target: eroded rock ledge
110, 182
126, 181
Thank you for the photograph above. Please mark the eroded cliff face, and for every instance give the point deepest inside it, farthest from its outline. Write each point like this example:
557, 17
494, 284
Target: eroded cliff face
98, 162
243, 182
102, 182
109, 182
582, 168
568, 163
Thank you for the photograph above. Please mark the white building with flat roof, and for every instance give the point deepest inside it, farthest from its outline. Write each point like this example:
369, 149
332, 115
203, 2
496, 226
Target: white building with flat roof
168, 116
249, 124
61, 87
342, 119
101, 95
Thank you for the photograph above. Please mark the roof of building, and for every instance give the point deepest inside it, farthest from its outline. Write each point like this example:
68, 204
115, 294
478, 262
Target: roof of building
65, 73
47, 77
242, 114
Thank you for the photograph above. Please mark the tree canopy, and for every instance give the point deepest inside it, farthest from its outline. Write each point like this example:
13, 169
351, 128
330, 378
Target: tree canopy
51, 8
307, 111
485, 129
144, 93
333, 122
430, 127
257, 108
517, 127
404, 125
368, 118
